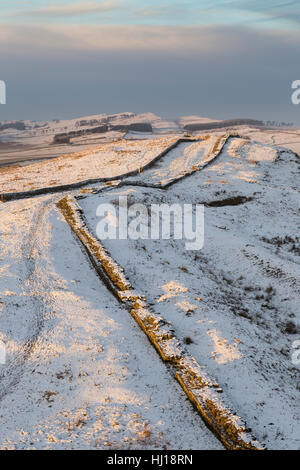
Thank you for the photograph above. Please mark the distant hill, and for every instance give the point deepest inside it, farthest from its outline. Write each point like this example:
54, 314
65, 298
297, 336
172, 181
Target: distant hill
63, 131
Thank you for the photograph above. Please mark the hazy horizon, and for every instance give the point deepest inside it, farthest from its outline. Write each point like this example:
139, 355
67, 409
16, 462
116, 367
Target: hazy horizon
221, 59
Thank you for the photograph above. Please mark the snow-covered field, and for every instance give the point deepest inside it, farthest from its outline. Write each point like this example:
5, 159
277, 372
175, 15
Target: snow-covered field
24, 141
79, 371
102, 162
235, 303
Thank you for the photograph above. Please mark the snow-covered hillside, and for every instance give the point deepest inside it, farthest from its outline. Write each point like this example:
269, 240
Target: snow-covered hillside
79, 372
235, 303
24, 141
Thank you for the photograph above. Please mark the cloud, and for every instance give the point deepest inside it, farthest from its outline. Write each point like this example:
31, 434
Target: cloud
271, 14
171, 39
151, 12
169, 12
266, 11
72, 9
56, 71
234, 12
241, 12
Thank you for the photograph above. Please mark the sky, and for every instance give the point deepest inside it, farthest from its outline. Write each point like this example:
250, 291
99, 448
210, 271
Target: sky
215, 58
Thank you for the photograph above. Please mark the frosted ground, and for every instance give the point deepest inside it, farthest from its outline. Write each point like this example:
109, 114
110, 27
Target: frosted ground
79, 371
235, 303
36, 140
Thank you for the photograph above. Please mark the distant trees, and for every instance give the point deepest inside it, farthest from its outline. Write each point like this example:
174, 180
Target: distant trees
278, 124
219, 124
19, 125
61, 139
